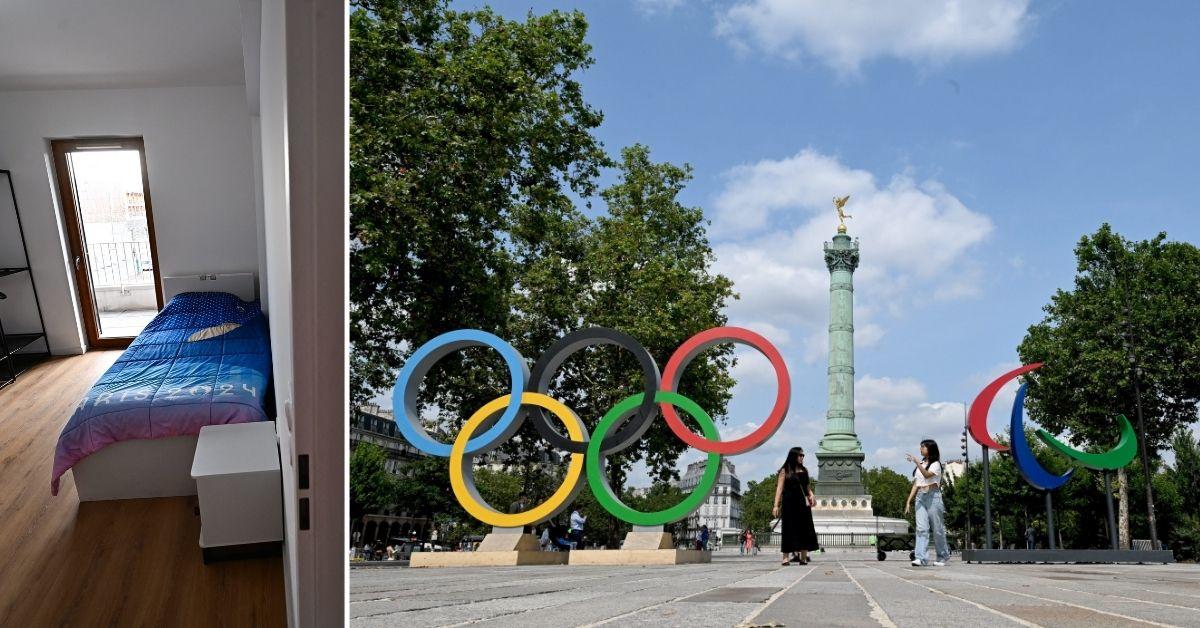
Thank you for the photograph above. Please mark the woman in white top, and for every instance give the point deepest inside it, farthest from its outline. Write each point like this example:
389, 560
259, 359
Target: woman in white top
926, 487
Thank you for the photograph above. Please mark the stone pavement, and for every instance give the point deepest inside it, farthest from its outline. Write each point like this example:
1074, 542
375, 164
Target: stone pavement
835, 589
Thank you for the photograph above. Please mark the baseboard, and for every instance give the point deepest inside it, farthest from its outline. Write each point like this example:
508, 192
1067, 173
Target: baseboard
240, 552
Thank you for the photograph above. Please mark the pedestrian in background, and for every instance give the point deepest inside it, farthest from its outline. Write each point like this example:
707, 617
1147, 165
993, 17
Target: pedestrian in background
577, 523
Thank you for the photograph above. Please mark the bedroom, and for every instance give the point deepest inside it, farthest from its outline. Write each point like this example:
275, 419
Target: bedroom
150, 150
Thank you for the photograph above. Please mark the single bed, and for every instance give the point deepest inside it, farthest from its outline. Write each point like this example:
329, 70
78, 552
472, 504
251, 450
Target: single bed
204, 360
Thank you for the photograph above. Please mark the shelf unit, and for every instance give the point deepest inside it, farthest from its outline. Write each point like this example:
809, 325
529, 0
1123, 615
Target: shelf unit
15, 356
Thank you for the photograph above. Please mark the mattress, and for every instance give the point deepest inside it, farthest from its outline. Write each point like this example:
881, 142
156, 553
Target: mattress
204, 360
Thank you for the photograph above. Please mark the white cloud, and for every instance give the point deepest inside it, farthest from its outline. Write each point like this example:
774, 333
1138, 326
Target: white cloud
773, 217
653, 7
885, 393
844, 35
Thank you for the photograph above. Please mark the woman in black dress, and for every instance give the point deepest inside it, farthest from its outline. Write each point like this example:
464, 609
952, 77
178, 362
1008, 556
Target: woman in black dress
793, 502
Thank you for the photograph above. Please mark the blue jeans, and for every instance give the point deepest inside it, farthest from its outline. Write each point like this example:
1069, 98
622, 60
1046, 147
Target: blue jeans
929, 515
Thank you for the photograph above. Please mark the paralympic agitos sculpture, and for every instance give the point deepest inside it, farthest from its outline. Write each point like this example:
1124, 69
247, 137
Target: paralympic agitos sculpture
627, 421
1037, 475
1033, 472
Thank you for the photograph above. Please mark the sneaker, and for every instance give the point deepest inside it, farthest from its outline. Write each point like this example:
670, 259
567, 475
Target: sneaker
939, 563
917, 563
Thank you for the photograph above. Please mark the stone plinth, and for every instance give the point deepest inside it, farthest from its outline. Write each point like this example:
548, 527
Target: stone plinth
640, 557
487, 559
643, 546
835, 521
504, 547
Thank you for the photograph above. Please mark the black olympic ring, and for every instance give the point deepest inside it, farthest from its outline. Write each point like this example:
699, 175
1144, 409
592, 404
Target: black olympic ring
548, 364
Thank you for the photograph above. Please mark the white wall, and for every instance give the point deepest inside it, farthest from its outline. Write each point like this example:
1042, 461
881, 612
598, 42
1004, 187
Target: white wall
199, 162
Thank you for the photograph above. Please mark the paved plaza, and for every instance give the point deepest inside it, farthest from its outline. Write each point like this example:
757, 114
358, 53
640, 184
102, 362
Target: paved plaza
844, 589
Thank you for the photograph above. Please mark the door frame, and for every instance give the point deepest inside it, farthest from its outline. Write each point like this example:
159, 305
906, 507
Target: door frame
74, 223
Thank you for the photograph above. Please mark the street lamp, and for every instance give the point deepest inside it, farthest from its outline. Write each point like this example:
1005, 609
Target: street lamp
966, 471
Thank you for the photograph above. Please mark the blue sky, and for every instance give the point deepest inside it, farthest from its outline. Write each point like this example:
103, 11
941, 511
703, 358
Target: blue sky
978, 145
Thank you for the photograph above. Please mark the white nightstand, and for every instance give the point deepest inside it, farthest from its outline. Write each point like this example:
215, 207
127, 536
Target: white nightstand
238, 482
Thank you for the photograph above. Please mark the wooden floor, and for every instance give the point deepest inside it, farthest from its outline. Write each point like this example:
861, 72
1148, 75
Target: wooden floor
116, 563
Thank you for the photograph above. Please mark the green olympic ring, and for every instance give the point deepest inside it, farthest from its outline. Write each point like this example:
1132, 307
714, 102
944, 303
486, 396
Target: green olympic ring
598, 479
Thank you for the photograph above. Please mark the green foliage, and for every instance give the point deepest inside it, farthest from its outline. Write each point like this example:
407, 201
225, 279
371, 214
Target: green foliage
470, 139
423, 488
371, 486
661, 496
458, 121
757, 501
502, 490
1145, 293
1079, 506
888, 491
1187, 470
642, 268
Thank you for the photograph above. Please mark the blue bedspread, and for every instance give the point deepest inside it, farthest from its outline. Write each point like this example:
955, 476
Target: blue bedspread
167, 385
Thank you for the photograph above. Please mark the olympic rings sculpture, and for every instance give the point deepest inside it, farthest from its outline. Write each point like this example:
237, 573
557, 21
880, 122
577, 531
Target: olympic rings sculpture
1027, 465
616, 431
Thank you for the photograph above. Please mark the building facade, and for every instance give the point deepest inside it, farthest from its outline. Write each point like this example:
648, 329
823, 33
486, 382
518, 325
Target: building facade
722, 511
370, 424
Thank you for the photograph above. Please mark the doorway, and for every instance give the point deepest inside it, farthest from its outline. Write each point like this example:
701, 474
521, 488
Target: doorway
110, 229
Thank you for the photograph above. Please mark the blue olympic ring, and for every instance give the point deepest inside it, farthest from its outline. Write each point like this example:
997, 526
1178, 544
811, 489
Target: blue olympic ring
408, 383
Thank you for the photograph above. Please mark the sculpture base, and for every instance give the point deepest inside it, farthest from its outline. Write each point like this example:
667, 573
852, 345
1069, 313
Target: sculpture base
487, 559
1067, 556
504, 547
644, 545
640, 557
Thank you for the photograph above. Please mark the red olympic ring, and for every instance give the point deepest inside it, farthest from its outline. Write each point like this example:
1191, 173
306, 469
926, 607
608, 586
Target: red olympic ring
977, 418
693, 347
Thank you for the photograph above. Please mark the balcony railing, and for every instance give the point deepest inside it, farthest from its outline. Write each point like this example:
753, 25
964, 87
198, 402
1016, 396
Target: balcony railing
120, 264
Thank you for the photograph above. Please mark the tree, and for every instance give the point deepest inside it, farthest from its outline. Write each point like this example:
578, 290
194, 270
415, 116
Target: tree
888, 491
422, 488
1016, 506
1187, 469
662, 495
641, 268
458, 119
371, 486
470, 141
1133, 304
1185, 476
757, 502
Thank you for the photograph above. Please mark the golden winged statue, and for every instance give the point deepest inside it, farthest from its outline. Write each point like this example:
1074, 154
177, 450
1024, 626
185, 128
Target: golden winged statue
839, 203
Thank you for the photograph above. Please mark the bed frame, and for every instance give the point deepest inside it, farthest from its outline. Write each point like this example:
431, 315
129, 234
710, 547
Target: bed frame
138, 469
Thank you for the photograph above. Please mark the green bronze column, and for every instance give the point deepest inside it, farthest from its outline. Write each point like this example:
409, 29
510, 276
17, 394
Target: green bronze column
840, 455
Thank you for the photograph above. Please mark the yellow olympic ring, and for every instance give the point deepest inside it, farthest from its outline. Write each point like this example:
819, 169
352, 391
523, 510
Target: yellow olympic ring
460, 465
